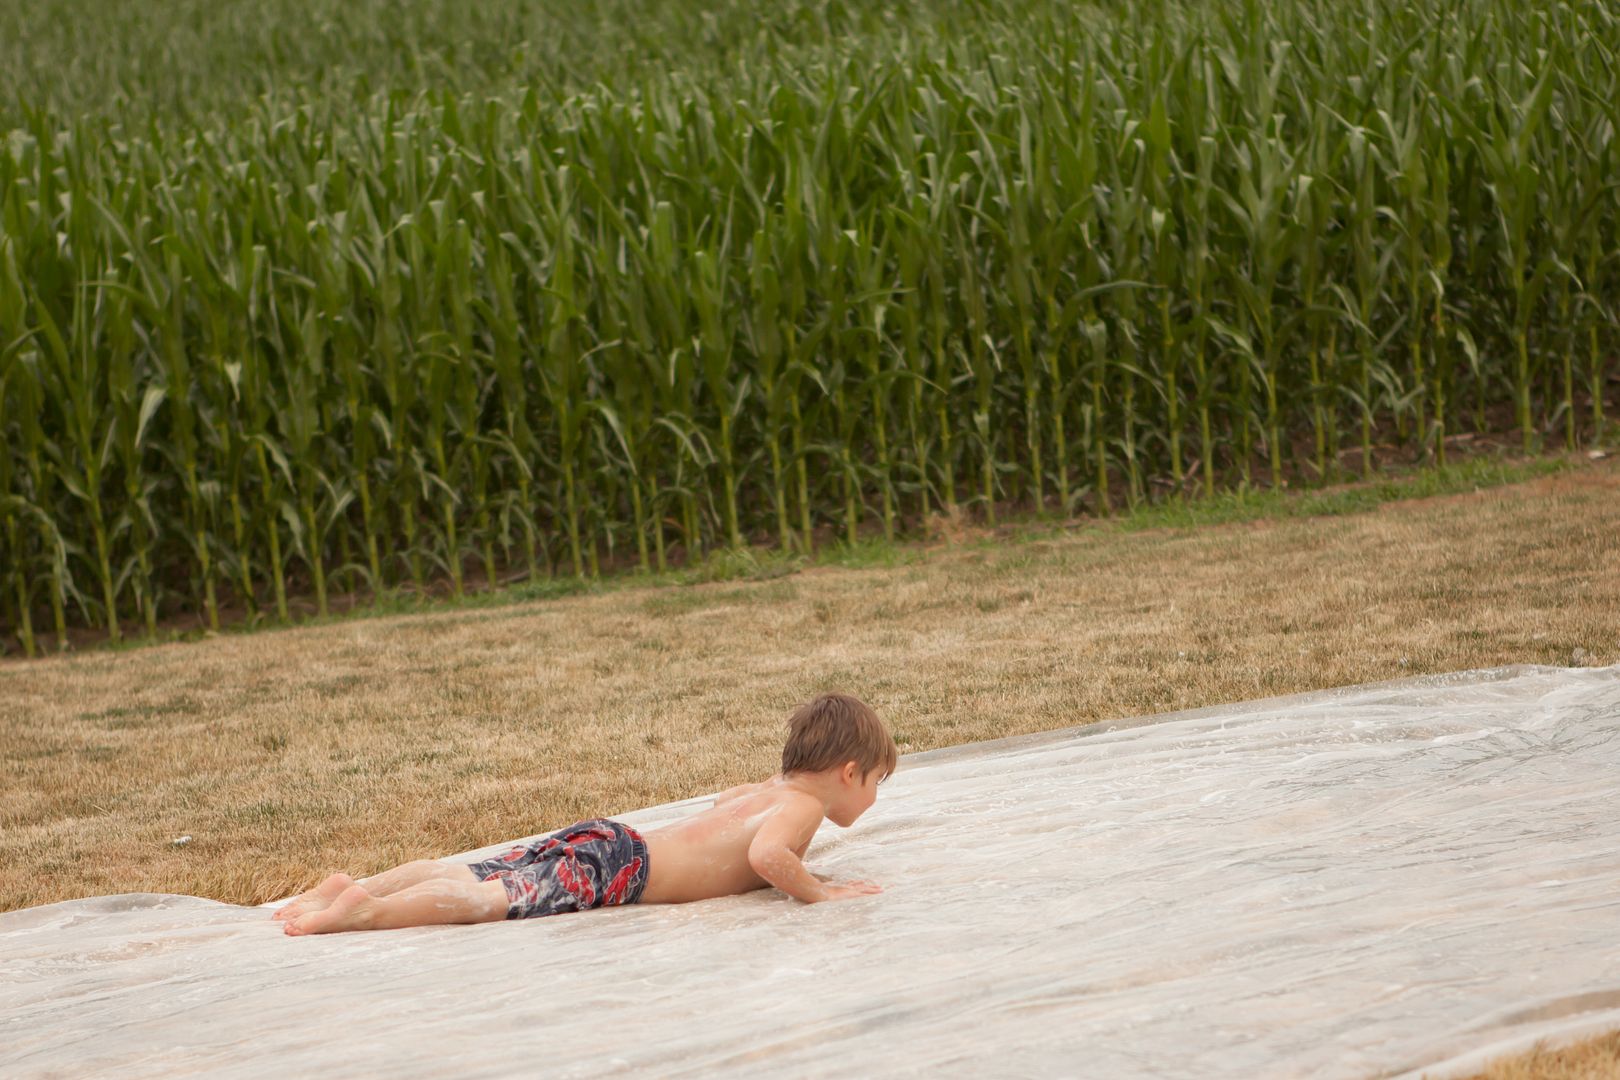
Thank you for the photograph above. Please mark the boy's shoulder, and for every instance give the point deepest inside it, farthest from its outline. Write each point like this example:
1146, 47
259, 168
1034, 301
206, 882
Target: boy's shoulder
771, 797
744, 790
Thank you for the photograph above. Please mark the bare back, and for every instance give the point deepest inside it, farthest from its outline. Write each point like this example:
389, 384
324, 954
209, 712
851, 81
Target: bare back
706, 855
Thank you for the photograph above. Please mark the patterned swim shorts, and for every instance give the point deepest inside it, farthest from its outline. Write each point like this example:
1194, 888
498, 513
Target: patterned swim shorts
589, 864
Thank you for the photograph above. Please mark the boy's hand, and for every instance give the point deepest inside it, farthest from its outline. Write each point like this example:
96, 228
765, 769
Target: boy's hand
851, 889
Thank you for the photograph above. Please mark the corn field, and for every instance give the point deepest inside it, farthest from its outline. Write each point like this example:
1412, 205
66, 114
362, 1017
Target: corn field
303, 297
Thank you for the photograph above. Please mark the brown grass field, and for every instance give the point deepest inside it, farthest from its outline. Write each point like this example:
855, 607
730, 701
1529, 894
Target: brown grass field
1592, 1059
363, 743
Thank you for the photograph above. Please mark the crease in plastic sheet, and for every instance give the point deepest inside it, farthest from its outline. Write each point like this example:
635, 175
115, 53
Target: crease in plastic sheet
1385, 880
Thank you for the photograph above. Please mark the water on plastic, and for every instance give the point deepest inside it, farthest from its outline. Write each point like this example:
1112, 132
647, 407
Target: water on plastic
1351, 883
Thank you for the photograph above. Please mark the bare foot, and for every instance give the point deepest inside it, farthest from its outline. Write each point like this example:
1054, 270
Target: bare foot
316, 899
348, 912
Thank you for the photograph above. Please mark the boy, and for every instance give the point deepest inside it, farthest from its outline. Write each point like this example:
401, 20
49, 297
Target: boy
755, 835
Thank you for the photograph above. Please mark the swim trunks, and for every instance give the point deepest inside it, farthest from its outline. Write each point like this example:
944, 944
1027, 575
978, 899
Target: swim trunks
589, 864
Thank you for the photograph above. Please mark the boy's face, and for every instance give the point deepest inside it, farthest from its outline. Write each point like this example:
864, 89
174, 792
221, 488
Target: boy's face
857, 793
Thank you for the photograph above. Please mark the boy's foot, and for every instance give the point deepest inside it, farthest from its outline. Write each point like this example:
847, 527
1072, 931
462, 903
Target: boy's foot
347, 912
316, 899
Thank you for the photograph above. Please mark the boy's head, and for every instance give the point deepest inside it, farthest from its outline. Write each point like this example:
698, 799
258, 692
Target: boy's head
841, 732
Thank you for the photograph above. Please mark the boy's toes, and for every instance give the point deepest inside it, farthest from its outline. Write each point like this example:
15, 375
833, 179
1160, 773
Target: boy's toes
346, 912
316, 899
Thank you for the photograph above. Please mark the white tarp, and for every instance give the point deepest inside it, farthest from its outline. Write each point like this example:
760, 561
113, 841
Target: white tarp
1340, 884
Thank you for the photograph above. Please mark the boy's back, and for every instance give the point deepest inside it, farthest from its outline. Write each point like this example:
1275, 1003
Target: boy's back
837, 753
714, 853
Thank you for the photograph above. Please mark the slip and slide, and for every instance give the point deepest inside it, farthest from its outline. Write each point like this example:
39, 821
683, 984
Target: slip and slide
1395, 879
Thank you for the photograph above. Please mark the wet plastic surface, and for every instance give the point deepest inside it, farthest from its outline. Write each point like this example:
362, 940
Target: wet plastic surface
1351, 883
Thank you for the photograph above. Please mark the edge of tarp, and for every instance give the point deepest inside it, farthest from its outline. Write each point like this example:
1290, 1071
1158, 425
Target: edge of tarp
1552, 1034
1233, 708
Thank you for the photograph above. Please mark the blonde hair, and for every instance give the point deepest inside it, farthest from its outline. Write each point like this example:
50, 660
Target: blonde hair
834, 728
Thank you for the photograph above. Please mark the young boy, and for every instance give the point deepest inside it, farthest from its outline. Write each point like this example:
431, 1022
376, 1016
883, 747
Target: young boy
755, 835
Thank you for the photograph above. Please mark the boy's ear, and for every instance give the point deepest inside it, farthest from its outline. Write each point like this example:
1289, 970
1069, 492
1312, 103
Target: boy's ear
850, 770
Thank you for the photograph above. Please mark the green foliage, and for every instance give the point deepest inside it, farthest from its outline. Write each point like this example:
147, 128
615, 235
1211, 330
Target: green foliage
300, 297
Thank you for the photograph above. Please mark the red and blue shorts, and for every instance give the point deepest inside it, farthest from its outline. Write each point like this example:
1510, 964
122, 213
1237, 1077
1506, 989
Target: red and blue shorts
589, 864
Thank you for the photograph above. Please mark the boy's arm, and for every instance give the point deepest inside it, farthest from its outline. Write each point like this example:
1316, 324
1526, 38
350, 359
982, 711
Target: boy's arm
772, 852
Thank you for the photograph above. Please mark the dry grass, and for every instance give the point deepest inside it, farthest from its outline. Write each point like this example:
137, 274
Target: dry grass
361, 744
1592, 1059
358, 745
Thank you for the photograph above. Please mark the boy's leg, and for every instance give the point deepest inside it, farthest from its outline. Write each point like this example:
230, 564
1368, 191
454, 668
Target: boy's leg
384, 884
415, 873
430, 903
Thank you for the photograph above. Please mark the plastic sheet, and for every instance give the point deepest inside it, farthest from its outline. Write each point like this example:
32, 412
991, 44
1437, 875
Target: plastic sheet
1342, 884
